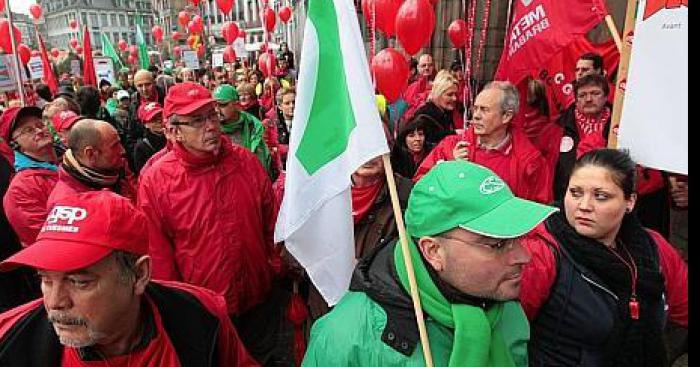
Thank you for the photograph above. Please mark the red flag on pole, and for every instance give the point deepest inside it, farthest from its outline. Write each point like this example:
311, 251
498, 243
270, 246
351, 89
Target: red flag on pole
49, 76
89, 77
540, 29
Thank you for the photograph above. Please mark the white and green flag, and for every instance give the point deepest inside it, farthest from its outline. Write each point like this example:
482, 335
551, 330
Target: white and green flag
336, 129
144, 62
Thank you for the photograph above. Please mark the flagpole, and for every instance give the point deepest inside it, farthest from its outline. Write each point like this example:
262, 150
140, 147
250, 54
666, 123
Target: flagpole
398, 216
613, 32
623, 71
15, 55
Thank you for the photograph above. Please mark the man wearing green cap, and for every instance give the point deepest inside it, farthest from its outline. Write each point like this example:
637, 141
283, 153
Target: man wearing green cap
464, 226
241, 127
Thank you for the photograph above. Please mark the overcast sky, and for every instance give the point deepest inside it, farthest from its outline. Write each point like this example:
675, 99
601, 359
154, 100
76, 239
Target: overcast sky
21, 6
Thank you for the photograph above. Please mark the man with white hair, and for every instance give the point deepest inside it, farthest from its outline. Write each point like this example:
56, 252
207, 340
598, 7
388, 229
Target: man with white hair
491, 142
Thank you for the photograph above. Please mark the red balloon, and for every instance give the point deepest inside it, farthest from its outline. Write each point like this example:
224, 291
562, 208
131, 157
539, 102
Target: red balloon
225, 5
195, 2
263, 47
267, 63
200, 51
457, 31
415, 23
73, 24
177, 50
5, 42
230, 32
79, 49
269, 19
183, 18
36, 11
55, 52
132, 59
285, 14
176, 36
74, 42
385, 14
25, 53
195, 25
391, 72
134, 50
157, 33
122, 45
2, 5
241, 33
229, 54
36, 53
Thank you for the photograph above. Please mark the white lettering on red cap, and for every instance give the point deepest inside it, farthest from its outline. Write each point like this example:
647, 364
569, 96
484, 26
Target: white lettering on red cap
193, 93
150, 106
61, 219
65, 114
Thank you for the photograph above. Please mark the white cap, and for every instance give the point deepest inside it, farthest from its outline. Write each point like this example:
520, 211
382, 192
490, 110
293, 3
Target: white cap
122, 94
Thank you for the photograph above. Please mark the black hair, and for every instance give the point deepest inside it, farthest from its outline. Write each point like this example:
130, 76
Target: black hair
88, 99
621, 166
596, 80
598, 61
43, 91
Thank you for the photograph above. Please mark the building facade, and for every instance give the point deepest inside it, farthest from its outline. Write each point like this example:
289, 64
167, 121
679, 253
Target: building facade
115, 18
26, 26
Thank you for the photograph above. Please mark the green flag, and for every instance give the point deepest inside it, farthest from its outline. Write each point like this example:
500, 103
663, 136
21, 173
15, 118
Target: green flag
109, 51
144, 62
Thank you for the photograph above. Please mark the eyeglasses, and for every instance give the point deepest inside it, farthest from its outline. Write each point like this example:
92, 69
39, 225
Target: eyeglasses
200, 121
502, 246
30, 130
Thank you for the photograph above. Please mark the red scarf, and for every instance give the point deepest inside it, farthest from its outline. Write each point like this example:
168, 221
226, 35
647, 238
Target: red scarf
363, 198
591, 125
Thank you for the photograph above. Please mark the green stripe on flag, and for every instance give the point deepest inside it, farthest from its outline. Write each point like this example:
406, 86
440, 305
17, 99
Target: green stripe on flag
109, 51
331, 118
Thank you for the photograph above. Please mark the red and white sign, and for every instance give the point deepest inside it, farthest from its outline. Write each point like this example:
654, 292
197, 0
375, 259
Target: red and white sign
654, 124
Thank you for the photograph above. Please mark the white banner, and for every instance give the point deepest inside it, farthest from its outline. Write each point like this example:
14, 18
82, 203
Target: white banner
217, 59
75, 68
191, 60
654, 124
36, 68
239, 48
8, 82
104, 69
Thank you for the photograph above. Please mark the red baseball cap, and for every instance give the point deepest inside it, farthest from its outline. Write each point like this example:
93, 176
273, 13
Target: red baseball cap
64, 120
10, 117
147, 111
83, 229
185, 98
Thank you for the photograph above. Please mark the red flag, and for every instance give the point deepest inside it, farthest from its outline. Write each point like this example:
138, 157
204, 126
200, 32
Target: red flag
540, 29
89, 77
49, 76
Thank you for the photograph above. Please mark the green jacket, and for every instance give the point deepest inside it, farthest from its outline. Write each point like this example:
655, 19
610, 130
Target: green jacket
356, 332
252, 131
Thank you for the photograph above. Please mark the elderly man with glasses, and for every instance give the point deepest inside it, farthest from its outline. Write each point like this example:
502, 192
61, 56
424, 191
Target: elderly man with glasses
211, 217
36, 167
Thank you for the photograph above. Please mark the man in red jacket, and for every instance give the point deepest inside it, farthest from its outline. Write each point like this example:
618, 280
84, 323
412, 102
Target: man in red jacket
211, 215
491, 142
99, 305
35, 164
95, 161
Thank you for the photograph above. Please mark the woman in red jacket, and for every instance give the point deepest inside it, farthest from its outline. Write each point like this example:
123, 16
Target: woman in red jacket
600, 287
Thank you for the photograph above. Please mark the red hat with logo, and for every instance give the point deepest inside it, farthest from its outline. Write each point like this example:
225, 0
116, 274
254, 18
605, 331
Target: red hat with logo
147, 111
11, 116
64, 120
185, 98
83, 229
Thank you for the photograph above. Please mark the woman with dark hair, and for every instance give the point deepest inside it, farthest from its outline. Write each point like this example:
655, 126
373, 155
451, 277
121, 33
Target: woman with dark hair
410, 148
600, 287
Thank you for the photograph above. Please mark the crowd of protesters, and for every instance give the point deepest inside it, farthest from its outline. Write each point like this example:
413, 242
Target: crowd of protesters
148, 208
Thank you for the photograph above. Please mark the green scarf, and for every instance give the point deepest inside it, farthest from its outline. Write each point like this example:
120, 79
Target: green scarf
479, 338
251, 135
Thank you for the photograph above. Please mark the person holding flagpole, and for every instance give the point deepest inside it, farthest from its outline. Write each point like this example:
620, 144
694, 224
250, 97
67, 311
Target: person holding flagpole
464, 224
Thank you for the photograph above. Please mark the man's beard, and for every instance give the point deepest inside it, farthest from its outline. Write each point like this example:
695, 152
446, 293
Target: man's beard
93, 336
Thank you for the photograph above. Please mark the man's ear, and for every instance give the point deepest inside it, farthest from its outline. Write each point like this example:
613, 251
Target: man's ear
433, 251
143, 274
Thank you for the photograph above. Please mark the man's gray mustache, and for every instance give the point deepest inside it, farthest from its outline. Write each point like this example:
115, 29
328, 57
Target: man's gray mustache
67, 320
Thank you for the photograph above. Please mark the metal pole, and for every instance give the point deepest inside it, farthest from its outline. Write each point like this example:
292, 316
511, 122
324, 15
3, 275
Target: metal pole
18, 76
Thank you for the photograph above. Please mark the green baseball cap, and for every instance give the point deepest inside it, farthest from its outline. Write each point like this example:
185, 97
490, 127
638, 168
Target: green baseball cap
226, 93
466, 195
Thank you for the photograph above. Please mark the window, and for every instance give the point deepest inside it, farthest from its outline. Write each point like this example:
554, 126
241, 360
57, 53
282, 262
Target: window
93, 20
113, 20
84, 18
103, 20
122, 20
